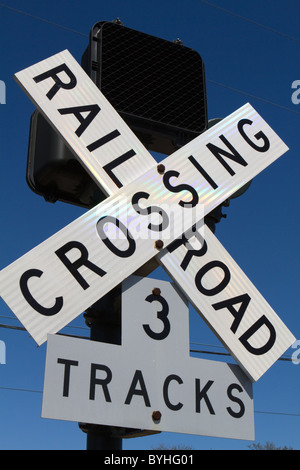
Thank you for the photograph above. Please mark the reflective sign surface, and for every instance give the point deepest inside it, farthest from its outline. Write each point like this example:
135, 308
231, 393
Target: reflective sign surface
56, 281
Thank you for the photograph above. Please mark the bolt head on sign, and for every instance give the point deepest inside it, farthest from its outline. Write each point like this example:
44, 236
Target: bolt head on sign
148, 211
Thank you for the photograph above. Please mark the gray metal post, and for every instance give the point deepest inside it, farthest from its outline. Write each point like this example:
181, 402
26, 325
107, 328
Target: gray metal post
104, 320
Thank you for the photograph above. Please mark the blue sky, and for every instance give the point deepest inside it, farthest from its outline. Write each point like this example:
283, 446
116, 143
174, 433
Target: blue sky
251, 54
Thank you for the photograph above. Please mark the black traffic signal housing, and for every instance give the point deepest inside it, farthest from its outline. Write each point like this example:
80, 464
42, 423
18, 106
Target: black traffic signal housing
158, 88
53, 171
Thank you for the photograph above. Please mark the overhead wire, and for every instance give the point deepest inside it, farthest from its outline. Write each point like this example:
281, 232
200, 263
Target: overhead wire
212, 5
285, 108
283, 358
52, 23
279, 413
244, 18
196, 351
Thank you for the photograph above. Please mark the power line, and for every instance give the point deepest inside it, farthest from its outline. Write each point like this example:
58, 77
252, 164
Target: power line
285, 108
217, 353
236, 15
12, 327
21, 12
196, 351
283, 358
16, 389
21, 328
277, 413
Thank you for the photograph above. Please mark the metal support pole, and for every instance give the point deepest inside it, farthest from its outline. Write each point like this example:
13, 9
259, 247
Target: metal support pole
104, 320
102, 441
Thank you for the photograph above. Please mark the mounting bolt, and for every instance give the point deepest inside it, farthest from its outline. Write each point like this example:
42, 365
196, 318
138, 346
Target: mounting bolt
156, 291
156, 415
159, 244
161, 168
118, 21
178, 41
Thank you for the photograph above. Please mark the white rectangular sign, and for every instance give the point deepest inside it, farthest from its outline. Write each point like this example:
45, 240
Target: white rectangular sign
60, 278
150, 383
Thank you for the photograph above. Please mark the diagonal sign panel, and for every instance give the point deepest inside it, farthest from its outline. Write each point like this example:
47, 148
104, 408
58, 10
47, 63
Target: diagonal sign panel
62, 73
228, 301
60, 278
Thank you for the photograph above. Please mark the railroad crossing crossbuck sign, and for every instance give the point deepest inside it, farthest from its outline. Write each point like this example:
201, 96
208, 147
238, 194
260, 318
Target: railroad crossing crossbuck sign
150, 212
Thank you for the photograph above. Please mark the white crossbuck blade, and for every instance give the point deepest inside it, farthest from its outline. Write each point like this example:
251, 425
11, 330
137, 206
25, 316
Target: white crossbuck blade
63, 276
